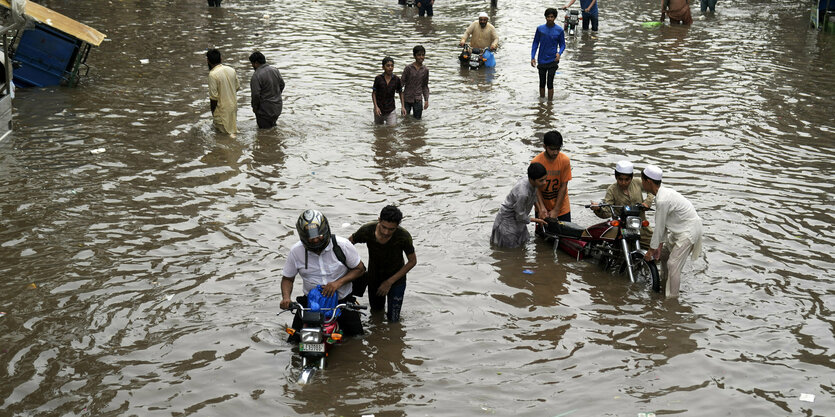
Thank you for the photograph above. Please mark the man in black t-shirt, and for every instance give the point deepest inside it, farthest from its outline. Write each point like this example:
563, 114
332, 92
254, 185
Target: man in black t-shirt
386, 277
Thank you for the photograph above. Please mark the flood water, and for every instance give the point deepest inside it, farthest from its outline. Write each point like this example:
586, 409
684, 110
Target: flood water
145, 280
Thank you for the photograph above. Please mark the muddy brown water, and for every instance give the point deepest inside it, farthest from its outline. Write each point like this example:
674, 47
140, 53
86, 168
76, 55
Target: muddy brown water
156, 264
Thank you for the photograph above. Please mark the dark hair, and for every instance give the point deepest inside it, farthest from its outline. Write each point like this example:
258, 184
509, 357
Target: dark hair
645, 177
552, 139
625, 175
391, 213
551, 11
536, 171
418, 50
387, 59
257, 57
213, 55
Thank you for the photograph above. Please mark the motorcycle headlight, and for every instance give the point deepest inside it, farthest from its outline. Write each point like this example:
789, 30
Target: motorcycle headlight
633, 222
311, 336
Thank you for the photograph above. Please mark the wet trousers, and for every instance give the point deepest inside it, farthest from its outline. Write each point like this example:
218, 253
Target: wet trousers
673, 261
265, 122
709, 3
389, 118
415, 108
591, 18
546, 74
394, 299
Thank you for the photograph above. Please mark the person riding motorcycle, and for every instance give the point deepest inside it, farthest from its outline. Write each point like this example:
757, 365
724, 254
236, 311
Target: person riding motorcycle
322, 259
483, 34
626, 191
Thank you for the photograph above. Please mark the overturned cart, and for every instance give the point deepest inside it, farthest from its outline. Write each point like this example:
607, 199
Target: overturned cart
51, 49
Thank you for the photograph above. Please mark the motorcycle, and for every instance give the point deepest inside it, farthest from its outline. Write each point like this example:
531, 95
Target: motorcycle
475, 58
616, 242
317, 336
572, 19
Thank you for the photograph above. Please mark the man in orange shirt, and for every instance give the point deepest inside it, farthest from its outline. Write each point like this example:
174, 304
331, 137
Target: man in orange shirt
552, 199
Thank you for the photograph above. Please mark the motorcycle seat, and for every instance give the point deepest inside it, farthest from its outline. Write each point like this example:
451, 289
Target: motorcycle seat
559, 228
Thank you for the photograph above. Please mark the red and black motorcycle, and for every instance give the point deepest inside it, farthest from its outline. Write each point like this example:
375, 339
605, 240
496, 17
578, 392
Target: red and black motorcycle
616, 242
572, 19
319, 332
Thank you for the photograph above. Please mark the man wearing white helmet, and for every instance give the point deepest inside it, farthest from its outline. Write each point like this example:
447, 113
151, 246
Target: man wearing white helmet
322, 259
483, 34
626, 191
678, 229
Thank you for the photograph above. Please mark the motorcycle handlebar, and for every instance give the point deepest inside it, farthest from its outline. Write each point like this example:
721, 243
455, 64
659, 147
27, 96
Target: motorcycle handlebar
294, 306
602, 205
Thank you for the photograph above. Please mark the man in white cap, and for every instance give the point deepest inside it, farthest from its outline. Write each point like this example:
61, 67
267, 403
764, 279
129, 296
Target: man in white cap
678, 226
626, 191
483, 34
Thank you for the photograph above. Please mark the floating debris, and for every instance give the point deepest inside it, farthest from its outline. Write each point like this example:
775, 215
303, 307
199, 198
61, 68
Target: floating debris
97, 150
32, 286
527, 271
809, 398
144, 61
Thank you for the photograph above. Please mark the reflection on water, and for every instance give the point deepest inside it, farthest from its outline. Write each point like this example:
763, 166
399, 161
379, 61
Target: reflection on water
145, 280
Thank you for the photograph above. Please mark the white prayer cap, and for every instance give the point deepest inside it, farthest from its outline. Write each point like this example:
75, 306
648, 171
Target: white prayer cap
483, 14
652, 171
624, 167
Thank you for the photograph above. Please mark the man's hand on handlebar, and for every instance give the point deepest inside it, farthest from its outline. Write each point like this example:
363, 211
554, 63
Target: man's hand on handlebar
285, 303
539, 221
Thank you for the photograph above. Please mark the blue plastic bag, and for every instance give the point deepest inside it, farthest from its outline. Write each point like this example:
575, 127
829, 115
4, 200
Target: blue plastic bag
490, 59
316, 301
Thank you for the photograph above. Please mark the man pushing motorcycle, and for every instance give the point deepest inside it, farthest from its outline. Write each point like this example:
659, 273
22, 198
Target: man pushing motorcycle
322, 259
483, 34
678, 229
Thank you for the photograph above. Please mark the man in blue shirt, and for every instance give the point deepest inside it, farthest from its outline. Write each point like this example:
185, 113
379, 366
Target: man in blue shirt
589, 13
550, 39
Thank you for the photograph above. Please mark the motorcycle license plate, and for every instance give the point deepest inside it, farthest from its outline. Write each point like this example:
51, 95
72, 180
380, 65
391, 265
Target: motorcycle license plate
312, 347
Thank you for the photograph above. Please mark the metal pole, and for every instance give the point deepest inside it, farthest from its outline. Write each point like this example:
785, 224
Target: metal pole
74, 73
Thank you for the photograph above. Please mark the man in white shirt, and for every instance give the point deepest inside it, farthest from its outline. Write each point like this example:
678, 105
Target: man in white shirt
676, 224
326, 260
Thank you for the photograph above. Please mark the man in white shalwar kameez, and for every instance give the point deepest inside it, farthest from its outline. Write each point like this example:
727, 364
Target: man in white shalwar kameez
510, 229
223, 97
677, 228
